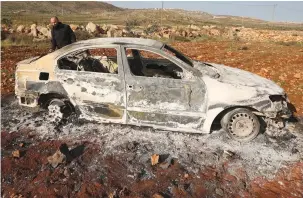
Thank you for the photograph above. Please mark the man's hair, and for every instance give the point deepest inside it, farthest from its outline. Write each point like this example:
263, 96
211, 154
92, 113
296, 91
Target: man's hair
55, 17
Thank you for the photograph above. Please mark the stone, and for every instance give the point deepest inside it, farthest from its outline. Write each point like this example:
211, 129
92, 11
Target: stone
166, 35
228, 154
91, 27
34, 31
219, 191
66, 173
157, 195
297, 75
27, 30
164, 165
118, 33
45, 32
214, 32
110, 33
20, 28
114, 27
16, 154
194, 27
56, 159
74, 27
11, 30
154, 159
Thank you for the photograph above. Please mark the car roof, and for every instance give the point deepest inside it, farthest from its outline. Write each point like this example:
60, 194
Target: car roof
109, 41
122, 41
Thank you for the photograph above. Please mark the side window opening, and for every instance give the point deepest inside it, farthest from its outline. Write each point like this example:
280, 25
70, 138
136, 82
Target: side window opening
150, 64
102, 60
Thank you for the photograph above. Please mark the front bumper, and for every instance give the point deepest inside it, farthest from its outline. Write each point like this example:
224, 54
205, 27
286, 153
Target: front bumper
278, 108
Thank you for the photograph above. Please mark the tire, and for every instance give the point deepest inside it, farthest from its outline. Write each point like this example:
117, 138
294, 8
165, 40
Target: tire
241, 124
58, 110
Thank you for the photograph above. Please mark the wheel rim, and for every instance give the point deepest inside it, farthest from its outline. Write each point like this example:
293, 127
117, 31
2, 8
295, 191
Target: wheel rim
241, 125
54, 113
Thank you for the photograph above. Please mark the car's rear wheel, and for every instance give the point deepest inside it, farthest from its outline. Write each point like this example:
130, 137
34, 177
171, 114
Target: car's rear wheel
241, 124
58, 110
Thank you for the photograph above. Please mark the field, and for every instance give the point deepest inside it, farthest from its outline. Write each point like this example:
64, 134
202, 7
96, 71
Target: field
115, 161
281, 63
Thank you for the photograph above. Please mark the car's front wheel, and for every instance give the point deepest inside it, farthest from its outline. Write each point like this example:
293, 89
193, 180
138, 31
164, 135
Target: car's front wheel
241, 124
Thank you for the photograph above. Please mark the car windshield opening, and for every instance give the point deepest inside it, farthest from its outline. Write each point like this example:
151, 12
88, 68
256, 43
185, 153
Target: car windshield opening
178, 54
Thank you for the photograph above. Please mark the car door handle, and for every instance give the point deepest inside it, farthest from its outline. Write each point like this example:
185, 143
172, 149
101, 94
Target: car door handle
136, 88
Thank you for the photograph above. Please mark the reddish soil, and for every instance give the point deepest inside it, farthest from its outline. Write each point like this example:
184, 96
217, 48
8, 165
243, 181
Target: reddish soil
90, 175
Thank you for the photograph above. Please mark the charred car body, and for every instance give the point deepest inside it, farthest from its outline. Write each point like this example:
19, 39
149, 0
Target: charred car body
152, 85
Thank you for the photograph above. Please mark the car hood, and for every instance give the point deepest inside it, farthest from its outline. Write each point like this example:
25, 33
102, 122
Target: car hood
234, 76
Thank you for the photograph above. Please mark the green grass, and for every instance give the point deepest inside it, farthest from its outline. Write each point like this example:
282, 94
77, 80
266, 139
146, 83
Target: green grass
290, 43
23, 40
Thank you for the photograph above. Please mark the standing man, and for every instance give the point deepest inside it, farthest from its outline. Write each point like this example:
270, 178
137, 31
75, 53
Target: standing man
62, 34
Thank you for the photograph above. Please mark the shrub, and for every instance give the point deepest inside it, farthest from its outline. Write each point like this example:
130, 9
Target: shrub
3, 35
180, 38
131, 23
83, 35
18, 39
243, 48
6, 21
151, 29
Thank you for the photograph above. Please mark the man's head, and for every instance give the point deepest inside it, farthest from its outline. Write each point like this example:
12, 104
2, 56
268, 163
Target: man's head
54, 21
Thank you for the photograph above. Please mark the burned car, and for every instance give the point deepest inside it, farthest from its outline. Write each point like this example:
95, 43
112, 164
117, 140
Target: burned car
144, 82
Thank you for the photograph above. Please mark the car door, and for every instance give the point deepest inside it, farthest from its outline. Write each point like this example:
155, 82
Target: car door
98, 95
175, 104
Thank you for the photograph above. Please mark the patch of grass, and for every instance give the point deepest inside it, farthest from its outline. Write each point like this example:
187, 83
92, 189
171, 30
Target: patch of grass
131, 23
23, 40
6, 21
18, 39
181, 39
151, 29
290, 43
204, 37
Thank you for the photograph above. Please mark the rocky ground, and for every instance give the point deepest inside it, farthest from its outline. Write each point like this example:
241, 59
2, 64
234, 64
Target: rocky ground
98, 160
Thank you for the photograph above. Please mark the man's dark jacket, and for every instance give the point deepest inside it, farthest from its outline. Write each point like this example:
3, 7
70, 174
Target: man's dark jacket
62, 35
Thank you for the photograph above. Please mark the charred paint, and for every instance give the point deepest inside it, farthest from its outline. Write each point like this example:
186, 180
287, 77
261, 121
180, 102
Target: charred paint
105, 110
83, 89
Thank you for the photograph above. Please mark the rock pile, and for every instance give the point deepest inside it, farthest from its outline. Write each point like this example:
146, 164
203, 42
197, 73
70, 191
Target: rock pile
154, 31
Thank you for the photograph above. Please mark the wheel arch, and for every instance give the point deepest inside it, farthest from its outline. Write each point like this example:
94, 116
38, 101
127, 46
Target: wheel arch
215, 115
44, 99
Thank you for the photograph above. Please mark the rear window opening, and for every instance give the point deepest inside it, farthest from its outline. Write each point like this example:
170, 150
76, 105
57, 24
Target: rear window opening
101, 60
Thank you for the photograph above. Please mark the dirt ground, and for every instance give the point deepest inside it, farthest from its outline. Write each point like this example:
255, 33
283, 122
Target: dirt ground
107, 160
